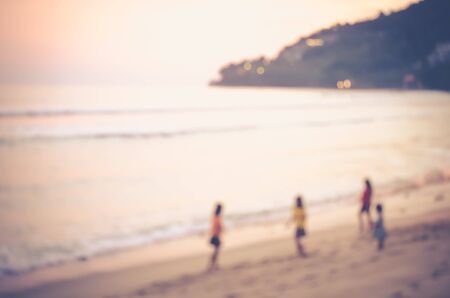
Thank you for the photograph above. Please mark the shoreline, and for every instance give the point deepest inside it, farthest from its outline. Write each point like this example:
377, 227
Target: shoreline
250, 225
325, 88
167, 255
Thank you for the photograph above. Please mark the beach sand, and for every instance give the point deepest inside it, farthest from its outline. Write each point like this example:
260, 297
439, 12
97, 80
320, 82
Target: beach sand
341, 261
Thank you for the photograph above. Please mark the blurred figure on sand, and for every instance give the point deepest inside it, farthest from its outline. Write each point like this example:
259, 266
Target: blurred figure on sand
366, 199
216, 231
299, 218
379, 232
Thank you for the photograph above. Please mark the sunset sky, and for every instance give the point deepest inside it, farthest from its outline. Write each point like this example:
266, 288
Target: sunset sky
156, 41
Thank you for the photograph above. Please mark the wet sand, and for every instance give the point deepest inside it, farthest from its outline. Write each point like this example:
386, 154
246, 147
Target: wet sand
341, 263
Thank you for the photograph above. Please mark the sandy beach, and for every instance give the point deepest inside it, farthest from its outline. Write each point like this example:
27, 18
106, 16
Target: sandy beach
341, 261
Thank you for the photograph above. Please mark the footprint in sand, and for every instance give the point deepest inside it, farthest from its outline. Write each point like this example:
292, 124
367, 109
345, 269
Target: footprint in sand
333, 271
420, 238
415, 285
286, 270
374, 259
246, 264
309, 277
396, 252
431, 247
332, 254
397, 294
186, 278
443, 269
309, 255
249, 281
281, 287
142, 293
439, 197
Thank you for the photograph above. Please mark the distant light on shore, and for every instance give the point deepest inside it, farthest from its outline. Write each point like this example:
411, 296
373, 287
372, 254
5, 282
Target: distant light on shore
314, 42
345, 84
247, 66
260, 70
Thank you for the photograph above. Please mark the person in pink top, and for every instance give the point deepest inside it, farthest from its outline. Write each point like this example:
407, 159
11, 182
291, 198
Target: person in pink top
366, 200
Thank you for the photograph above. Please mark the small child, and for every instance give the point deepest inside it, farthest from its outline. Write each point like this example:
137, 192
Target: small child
216, 231
379, 231
299, 218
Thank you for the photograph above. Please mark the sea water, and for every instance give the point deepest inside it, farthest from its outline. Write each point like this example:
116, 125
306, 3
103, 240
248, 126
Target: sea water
85, 169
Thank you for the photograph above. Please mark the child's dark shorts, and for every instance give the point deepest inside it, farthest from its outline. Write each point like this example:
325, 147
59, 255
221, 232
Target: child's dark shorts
300, 232
365, 208
215, 241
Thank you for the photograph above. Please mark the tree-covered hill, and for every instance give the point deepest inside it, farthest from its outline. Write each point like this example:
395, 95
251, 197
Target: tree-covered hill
406, 49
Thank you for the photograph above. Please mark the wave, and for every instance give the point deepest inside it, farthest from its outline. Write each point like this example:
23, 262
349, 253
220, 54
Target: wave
122, 135
90, 112
167, 110
68, 135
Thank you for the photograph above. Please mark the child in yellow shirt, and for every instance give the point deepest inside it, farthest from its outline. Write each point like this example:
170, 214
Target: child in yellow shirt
299, 218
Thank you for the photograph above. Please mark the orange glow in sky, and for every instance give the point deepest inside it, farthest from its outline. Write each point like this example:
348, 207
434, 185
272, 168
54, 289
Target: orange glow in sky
157, 40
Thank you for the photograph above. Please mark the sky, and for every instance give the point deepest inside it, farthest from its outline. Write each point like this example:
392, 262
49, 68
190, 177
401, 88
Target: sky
156, 41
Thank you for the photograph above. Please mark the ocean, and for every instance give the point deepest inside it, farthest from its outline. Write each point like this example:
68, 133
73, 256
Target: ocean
87, 169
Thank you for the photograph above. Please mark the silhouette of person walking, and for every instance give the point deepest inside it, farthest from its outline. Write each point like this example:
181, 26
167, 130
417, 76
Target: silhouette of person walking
366, 199
379, 232
216, 231
299, 218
